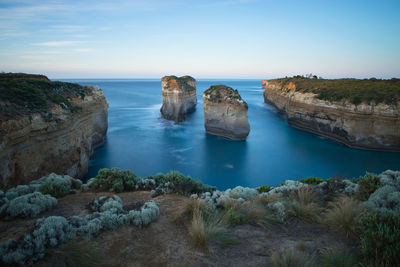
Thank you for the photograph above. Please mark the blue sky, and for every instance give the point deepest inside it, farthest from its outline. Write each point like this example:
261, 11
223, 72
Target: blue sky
205, 39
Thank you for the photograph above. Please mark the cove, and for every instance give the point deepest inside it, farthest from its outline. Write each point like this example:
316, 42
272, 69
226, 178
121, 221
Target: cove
138, 139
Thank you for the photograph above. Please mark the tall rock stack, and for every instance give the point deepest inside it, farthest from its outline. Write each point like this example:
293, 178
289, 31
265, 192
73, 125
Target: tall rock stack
225, 113
179, 97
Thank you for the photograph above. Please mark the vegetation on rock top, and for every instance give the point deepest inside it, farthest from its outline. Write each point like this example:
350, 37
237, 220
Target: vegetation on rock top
220, 93
23, 94
354, 90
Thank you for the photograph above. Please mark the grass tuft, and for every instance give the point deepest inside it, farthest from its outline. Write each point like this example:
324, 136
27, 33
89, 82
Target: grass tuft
344, 215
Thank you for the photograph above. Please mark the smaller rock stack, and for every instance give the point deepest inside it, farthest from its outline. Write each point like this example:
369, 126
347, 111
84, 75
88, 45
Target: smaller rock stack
179, 97
225, 113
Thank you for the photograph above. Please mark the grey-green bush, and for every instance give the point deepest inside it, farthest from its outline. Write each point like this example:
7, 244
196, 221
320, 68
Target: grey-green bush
387, 197
53, 231
104, 203
49, 232
29, 205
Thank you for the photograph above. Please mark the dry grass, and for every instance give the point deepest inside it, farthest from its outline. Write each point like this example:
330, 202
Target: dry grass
257, 213
344, 215
304, 195
209, 227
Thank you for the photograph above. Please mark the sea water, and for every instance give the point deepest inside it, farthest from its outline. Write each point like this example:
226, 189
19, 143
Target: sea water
138, 139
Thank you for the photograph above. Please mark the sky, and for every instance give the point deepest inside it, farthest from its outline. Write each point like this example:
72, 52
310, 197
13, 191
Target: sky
204, 39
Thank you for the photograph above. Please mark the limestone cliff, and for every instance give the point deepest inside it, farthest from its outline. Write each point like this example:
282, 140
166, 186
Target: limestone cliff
48, 127
179, 97
225, 113
362, 125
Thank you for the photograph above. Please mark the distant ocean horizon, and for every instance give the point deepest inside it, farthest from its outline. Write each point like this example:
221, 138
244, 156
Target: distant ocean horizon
138, 139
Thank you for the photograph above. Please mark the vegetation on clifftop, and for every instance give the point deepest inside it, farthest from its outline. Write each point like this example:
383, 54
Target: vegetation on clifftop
354, 90
218, 93
25, 94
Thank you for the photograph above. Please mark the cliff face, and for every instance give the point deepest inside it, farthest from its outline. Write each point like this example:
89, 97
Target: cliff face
59, 139
225, 113
366, 126
179, 97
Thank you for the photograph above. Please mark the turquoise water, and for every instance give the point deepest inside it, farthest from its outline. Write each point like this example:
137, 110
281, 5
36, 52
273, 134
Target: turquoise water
139, 140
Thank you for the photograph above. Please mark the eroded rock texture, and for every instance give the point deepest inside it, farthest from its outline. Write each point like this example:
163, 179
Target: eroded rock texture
179, 97
35, 142
225, 113
366, 125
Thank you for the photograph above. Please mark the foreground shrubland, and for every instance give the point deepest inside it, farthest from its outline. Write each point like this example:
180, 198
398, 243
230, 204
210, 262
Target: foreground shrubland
363, 210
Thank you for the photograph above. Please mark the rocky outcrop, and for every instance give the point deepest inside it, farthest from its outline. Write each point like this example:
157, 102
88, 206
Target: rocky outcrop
179, 97
59, 139
225, 113
367, 126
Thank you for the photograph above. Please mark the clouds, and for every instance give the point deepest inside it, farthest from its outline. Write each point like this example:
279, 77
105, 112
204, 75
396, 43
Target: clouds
60, 43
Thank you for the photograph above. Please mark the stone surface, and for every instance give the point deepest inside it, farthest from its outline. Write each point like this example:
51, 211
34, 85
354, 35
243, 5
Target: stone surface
32, 146
367, 126
225, 113
179, 97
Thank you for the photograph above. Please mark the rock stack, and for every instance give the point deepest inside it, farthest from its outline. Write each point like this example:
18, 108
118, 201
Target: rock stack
225, 113
179, 97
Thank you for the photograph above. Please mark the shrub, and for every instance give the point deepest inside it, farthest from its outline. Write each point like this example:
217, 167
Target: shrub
29, 205
380, 237
263, 188
367, 185
286, 187
116, 179
104, 203
234, 218
53, 231
290, 258
183, 184
55, 189
386, 197
312, 180
49, 232
338, 259
344, 215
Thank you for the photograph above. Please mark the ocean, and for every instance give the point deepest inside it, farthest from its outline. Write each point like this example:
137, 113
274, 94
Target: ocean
138, 139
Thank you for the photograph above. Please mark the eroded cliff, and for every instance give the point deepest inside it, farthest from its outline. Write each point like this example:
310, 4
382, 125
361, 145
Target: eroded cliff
48, 127
368, 125
179, 97
225, 113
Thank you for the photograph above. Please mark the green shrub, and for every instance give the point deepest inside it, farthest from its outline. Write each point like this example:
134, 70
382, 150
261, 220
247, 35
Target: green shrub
334, 258
367, 185
263, 188
183, 184
116, 179
312, 180
55, 189
234, 218
354, 90
28, 94
380, 237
